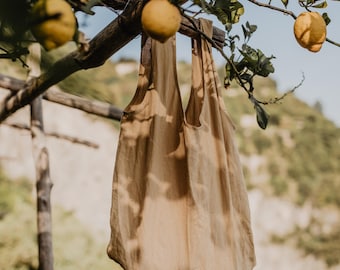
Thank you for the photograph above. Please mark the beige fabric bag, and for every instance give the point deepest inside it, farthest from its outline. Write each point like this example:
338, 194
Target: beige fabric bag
179, 201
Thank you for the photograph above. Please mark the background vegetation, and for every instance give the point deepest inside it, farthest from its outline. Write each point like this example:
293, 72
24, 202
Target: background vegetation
301, 164
74, 245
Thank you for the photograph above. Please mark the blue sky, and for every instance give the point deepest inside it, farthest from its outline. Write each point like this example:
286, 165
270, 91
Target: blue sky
274, 36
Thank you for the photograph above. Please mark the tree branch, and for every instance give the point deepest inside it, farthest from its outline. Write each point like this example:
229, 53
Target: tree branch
333, 42
284, 11
287, 12
55, 135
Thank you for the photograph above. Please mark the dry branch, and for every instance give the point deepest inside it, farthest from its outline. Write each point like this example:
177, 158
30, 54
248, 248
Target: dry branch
55, 135
112, 38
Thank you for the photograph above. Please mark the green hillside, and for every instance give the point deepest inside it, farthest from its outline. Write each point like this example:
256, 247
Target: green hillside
298, 159
301, 145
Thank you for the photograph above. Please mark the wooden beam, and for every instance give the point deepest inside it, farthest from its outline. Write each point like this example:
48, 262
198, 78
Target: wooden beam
90, 106
94, 107
56, 135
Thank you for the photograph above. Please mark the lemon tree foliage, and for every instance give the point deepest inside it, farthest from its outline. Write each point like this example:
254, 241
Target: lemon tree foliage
227, 11
52, 23
244, 62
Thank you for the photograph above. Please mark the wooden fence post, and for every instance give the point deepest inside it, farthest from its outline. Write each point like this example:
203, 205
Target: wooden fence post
41, 159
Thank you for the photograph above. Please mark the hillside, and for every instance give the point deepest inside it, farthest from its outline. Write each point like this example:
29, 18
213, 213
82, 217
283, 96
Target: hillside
292, 171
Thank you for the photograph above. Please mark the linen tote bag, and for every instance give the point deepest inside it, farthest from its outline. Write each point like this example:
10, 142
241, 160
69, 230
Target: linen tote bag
178, 199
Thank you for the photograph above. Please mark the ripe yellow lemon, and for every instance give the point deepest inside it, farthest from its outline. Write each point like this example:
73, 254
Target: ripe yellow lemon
160, 19
310, 30
54, 23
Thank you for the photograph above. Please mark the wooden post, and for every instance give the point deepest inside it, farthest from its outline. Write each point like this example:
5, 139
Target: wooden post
41, 159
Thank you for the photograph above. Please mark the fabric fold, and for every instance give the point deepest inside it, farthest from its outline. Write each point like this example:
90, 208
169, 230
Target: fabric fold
179, 201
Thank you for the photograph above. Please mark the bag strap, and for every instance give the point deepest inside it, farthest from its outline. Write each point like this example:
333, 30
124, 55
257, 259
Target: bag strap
157, 79
144, 74
205, 95
157, 71
164, 74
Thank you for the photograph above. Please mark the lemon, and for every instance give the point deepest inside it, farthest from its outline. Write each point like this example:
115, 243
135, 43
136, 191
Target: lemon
54, 23
160, 19
310, 30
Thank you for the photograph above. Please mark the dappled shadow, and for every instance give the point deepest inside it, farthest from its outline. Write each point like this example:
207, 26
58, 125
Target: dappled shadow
179, 201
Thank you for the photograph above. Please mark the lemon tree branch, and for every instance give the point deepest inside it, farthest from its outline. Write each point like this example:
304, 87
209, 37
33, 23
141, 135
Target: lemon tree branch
284, 11
287, 12
333, 42
262, 117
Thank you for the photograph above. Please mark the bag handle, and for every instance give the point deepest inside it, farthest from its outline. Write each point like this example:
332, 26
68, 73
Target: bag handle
205, 81
157, 88
144, 75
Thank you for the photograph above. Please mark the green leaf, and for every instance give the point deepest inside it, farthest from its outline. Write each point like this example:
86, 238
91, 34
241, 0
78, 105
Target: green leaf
261, 116
248, 30
252, 28
326, 18
321, 5
250, 55
265, 67
256, 61
232, 46
236, 12
245, 32
227, 11
285, 3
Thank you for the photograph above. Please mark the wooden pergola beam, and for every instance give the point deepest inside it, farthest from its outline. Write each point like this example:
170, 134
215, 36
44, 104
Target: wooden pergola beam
94, 107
